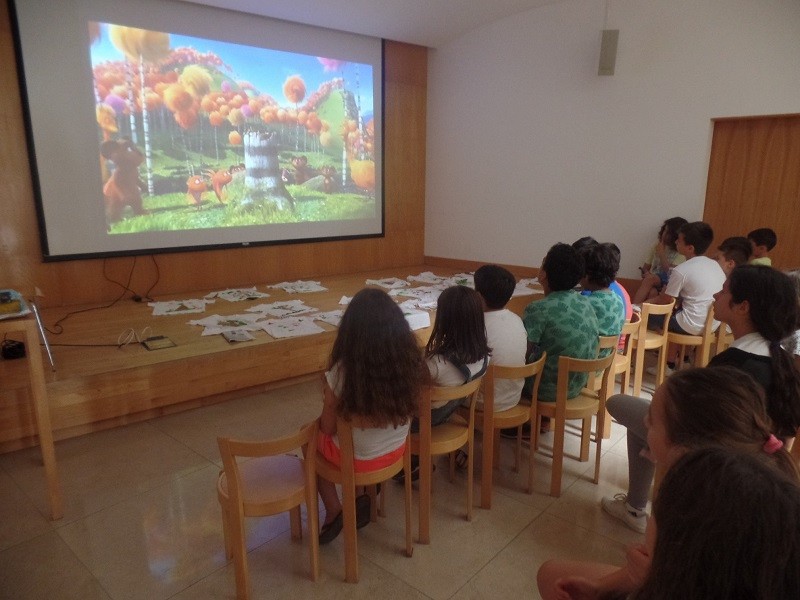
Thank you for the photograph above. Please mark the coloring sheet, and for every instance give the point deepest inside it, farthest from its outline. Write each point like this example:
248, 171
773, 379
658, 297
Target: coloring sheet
332, 317
216, 324
291, 327
299, 287
282, 309
389, 283
426, 296
428, 277
527, 287
238, 294
179, 307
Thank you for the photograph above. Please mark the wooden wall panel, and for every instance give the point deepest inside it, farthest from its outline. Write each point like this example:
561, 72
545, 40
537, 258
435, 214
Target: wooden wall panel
754, 181
83, 281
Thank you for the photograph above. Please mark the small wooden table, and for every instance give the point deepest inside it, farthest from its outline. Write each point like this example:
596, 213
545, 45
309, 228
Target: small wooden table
27, 327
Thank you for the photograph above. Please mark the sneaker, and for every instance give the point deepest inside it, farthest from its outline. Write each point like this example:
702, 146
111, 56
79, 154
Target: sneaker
654, 371
619, 508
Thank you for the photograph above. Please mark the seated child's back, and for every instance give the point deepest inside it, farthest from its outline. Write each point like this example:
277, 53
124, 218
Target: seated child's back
505, 332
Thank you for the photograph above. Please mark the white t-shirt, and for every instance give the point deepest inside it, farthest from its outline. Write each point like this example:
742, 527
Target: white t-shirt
509, 343
695, 282
445, 373
372, 442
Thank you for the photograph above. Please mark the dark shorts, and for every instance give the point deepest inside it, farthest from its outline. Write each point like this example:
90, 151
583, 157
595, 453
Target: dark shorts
657, 321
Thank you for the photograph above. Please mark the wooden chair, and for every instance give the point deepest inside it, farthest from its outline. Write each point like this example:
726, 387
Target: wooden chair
349, 479
584, 405
516, 416
624, 359
624, 362
645, 339
723, 338
269, 483
701, 342
443, 439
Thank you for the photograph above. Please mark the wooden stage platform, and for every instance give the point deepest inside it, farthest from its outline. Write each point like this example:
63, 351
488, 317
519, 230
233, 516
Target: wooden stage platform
97, 385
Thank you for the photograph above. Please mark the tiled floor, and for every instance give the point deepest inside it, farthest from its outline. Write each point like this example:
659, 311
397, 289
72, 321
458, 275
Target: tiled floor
142, 519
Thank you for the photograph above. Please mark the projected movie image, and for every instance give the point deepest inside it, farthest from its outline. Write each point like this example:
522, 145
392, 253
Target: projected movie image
199, 134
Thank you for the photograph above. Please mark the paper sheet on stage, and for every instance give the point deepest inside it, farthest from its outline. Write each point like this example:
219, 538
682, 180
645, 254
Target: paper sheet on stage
179, 307
389, 283
216, 324
299, 287
332, 317
291, 327
238, 294
282, 309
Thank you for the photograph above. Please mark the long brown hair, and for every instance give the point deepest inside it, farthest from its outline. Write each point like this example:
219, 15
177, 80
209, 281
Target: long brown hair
382, 367
459, 331
721, 406
726, 528
772, 299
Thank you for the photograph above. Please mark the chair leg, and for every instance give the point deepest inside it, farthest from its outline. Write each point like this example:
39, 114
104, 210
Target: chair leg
558, 458
312, 512
372, 492
240, 558
626, 381
601, 418
425, 468
226, 531
637, 374
294, 523
350, 540
470, 471
586, 434
407, 490
531, 458
488, 460
607, 427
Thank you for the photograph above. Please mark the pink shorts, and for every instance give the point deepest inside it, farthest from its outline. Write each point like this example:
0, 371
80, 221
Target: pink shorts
330, 451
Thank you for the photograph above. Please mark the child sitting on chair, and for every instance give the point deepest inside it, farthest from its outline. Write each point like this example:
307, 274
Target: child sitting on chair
763, 241
602, 264
663, 257
732, 252
505, 332
563, 322
376, 371
457, 352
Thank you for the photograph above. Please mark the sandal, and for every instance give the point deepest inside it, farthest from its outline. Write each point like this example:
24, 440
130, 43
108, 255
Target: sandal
462, 459
330, 531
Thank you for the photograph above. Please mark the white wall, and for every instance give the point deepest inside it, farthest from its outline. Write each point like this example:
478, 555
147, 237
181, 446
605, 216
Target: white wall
528, 146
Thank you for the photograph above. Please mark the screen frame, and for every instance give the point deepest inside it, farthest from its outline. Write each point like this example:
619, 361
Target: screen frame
196, 13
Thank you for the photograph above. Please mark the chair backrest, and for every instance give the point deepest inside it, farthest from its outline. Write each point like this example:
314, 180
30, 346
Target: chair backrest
649, 310
723, 338
567, 365
628, 329
606, 342
344, 433
445, 393
702, 340
230, 449
533, 369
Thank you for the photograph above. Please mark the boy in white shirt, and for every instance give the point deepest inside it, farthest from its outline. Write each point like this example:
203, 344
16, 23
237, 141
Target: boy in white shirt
692, 284
504, 330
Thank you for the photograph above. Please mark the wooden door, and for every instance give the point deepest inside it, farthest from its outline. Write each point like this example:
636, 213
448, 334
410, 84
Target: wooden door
754, 181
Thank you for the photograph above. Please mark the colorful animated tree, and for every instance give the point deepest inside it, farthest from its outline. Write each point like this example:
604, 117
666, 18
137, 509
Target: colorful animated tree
140, 46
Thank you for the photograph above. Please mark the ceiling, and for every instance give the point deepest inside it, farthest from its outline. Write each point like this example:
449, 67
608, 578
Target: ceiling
423, 22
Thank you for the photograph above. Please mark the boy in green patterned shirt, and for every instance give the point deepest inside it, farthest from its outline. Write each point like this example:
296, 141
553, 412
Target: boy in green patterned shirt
602, 264
563, 323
